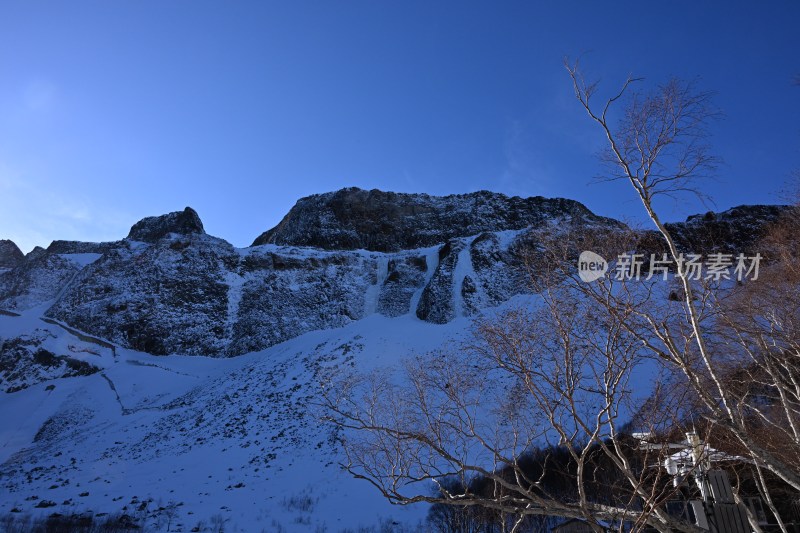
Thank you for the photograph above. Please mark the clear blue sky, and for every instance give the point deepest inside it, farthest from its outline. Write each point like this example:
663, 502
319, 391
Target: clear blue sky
112, 111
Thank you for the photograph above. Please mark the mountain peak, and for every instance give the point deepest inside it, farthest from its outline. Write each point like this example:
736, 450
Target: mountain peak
376, 220
151, 229
10, 254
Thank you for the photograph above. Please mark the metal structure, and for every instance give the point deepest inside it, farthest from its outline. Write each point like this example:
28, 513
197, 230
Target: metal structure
717, 510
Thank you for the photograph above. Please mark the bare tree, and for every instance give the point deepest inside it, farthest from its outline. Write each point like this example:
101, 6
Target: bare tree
560, 378
676, 135
658, 148
559, 375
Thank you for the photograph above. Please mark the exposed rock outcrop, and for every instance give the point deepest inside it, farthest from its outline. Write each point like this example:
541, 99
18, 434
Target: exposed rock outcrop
151, 229
166, 297
351, 219
10, 254
437, 304
285, 293
405, 277
78, 247
171, 288
38, 279
737, 230
26, 361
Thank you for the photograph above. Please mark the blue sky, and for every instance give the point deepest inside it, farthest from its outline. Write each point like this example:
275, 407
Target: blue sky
112, 111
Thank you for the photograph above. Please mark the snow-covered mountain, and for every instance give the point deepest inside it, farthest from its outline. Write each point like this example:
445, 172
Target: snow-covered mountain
168, 287
105, 410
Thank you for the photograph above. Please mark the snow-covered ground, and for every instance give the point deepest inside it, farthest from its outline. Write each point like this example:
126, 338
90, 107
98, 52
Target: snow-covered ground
217, 439
81, 260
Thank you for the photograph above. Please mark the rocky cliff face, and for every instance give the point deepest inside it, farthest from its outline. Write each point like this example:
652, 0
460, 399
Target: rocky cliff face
38, 279
335, 258
151, 229
353, 218
170, 296
737, 230
10, 254
77, 247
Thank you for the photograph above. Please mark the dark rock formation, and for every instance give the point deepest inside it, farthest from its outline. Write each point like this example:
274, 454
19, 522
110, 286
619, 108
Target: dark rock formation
168, 297
77, 247
10, 254
353, 218
171, 288
151, 229
500, 271
37, 252
38, 279
737, 230
24, 361
437, 304
405, 276
287, 293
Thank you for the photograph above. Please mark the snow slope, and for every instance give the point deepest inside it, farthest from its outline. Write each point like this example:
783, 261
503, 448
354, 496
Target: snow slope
219, 439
